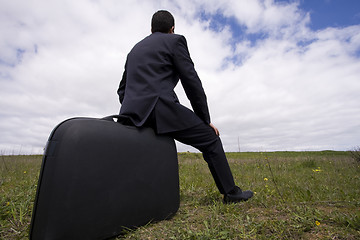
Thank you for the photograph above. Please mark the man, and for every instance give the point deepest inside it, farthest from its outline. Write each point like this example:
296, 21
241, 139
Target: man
146, 92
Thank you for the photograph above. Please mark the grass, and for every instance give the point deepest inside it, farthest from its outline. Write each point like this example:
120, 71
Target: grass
299, 195
18, 180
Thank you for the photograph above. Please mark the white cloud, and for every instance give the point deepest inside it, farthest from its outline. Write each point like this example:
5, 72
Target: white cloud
294, 89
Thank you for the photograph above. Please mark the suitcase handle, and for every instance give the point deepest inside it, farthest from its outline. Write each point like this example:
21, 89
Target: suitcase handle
120, 119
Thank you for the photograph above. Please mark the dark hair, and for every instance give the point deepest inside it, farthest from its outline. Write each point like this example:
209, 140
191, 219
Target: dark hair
162, 21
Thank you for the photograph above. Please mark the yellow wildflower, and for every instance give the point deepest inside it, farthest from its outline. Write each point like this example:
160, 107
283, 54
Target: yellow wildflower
317, 170
317, 223
265, 179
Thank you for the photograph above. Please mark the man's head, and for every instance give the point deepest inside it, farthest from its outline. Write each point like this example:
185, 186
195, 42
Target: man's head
162, 21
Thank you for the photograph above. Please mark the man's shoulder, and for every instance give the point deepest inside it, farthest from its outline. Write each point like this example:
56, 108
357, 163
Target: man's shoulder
166, 36
159, 40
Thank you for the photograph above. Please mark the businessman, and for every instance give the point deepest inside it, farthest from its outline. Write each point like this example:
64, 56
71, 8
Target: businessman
146, 92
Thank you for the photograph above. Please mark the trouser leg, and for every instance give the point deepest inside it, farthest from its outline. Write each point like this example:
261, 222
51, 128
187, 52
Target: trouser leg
203, 138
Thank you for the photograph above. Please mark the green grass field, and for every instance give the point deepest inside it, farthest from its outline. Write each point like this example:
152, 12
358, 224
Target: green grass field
299, 195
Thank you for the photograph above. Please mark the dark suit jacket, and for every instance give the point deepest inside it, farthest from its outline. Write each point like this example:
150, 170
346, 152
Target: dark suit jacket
152, 70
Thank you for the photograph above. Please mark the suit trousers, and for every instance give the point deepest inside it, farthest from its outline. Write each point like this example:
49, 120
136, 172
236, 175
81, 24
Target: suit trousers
203, 138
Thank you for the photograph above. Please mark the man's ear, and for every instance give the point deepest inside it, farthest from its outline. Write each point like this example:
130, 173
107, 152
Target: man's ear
172, 29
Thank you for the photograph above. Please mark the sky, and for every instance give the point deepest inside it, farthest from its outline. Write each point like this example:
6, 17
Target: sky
278, 75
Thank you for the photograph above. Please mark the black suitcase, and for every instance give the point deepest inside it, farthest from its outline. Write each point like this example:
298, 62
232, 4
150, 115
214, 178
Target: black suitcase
99, 177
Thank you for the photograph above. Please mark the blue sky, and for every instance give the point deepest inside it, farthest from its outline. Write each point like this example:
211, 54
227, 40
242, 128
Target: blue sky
323, 14
332, 13
279, 75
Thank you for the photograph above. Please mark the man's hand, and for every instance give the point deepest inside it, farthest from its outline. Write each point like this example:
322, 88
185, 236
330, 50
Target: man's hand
215, 129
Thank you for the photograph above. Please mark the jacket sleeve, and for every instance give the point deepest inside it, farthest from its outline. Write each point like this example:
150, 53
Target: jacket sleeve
122, 85
190, 80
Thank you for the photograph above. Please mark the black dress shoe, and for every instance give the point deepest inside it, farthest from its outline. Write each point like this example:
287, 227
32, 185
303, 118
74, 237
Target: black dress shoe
237, 195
